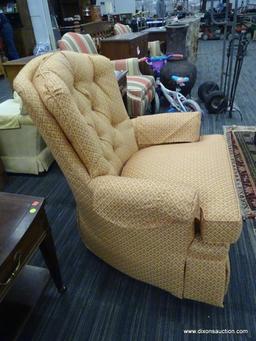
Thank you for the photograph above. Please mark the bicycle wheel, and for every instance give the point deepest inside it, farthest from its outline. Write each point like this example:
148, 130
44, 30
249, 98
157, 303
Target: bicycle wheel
191, 106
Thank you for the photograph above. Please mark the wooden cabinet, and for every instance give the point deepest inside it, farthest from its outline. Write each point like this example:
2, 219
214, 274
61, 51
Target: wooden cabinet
125, 46
70, 8
22, 27
24, 41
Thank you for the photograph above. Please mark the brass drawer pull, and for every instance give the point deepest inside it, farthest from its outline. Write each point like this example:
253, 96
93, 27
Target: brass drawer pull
13, 274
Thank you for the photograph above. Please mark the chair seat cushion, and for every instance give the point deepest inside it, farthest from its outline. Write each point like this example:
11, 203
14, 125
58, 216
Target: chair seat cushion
203, 165
140, 85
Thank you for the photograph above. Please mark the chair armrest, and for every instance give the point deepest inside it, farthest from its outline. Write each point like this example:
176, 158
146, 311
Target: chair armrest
167, 128
128, 64
142, 203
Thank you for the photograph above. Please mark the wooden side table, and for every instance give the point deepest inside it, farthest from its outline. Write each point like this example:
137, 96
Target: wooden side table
13, 67
156, 33
24, 229
125, 45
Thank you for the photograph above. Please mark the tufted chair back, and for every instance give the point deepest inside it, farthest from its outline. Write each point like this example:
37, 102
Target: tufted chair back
81, 94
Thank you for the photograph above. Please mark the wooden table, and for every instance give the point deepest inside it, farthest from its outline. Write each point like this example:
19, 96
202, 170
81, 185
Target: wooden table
24, 228
125, 45
156, 33
13, 67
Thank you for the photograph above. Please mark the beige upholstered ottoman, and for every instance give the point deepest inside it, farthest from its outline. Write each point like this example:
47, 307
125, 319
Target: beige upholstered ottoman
22, 149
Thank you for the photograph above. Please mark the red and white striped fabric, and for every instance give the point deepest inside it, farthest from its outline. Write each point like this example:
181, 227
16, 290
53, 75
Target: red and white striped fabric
140, 84
77, 42
141, 92
121, 29
140, 88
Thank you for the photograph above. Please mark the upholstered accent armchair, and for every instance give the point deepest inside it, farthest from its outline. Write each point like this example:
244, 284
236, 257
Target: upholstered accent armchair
140, 88
154, 199
77, 42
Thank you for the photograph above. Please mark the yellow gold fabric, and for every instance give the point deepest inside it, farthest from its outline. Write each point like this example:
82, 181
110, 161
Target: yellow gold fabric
205, 166
99, 129
23, 150
207, 272
136, 207
167, 128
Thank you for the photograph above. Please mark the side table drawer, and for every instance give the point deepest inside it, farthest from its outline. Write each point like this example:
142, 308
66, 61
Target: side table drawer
18, 257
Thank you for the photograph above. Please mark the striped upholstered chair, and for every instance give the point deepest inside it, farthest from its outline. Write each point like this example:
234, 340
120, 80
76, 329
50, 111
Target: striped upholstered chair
78, 43
140, 88
121, 29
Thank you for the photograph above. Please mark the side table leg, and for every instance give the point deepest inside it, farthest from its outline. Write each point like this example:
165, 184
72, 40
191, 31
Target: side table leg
48, 250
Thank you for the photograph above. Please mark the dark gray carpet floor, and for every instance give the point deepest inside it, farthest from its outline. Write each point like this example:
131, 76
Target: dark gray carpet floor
102, 304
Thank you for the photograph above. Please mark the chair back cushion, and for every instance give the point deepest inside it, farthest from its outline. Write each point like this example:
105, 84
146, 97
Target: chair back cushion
121, 29
81, 92
77, 42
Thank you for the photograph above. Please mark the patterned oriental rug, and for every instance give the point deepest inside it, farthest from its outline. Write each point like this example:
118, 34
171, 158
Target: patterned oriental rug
242, 150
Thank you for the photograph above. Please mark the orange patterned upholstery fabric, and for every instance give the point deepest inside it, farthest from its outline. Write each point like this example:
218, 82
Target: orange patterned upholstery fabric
97, 117
140, 88
144, 188
206, 167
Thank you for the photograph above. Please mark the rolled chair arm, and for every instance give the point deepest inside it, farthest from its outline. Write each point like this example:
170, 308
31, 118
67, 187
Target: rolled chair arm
167, 128
142, 203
